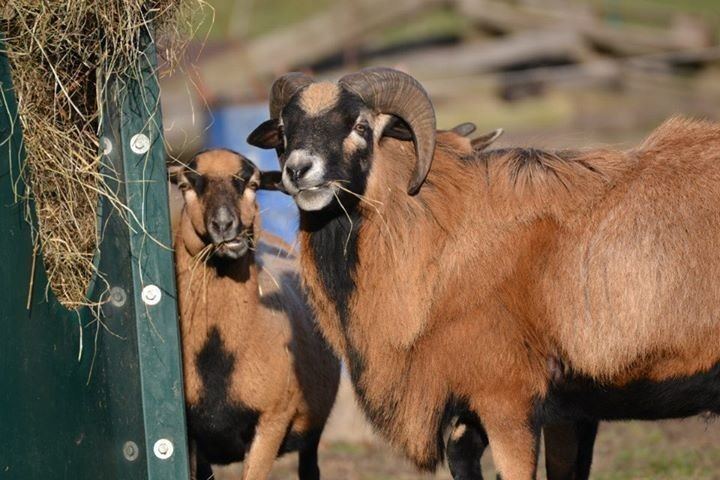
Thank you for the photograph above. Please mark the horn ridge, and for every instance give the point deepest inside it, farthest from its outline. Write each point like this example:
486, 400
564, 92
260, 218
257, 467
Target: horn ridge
394, 92
284, 88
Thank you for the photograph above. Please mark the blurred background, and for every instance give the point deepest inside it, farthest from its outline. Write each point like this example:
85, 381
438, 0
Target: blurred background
551, 73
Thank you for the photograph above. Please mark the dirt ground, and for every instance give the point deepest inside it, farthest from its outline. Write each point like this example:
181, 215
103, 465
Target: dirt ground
674, 449
688, 449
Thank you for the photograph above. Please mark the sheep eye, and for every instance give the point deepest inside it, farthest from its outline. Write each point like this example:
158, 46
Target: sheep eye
195, 181
238, 183
360, 128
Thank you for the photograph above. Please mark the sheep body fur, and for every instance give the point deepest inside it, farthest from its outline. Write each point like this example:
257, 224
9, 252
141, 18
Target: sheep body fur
459, 295
253, 362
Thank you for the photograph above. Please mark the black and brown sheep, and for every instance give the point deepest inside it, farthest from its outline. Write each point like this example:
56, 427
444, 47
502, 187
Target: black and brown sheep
446, 302
259, 380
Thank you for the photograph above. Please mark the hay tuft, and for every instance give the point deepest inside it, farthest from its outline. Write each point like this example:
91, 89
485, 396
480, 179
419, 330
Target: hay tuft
59, 51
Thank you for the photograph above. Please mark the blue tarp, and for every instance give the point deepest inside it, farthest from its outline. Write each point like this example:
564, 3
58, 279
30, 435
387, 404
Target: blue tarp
229, 127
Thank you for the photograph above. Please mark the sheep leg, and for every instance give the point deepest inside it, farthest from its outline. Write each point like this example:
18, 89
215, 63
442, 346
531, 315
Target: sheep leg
200, 468
466, 445
569, 450
265, 446
308, 463
192, 453
587, 431
203, 469
514, 445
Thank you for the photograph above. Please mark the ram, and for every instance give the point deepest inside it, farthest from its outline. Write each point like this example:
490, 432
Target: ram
449, 301
258, 379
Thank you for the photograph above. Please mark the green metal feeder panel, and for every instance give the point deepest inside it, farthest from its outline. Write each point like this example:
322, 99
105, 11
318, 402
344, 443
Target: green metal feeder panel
81, 400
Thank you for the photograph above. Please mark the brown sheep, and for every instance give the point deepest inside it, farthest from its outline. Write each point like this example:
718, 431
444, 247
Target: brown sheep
448, 302
259, 381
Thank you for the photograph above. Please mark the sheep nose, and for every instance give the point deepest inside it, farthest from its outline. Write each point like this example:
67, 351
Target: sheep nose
297, 170
223, 225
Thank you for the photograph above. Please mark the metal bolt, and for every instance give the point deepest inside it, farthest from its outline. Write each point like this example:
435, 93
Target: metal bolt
163, 449
131, 451
140, 143
107, 145
151, 295
117, 296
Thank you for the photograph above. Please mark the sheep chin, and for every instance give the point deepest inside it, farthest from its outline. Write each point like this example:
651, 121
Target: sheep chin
232, 250
315, 199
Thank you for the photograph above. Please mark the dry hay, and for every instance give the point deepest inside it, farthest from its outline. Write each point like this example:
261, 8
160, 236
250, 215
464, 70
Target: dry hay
60, 51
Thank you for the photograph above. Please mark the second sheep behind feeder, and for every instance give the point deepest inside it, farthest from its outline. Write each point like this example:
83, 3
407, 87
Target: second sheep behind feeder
259, 380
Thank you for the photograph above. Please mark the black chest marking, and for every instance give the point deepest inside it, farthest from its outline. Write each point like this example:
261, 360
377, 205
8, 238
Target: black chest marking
222, 428
333, 241
580, 398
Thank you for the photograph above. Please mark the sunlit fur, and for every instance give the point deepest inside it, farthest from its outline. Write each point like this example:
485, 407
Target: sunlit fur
319, 97
282, 369
605, 259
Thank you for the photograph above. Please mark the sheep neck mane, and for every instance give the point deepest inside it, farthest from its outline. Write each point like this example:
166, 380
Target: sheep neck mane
214, 288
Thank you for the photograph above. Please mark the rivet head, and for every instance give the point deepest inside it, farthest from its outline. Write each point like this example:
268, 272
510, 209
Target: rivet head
106, 145
117, 296
140, 143
151, 295
131, 451
163, 449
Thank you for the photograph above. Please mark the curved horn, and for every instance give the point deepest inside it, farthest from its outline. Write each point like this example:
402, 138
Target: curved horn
284, 88
391, 91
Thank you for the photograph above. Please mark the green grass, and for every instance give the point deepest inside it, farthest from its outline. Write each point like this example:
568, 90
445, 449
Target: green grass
669, 7
250, 18
347, 448
657, 12
644, 462
254, 17
435, 23
669, 450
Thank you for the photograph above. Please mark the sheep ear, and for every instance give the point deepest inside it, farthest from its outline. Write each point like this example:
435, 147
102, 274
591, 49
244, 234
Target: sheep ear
271, 181
266, 135
481, 143
464, 129
180, 176
175, 173
397, 128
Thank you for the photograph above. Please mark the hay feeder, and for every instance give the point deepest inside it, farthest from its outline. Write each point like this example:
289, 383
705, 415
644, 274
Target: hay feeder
95, 390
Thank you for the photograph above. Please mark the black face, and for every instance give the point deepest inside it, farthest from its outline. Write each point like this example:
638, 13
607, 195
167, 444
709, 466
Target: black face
325, 149
327, 154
